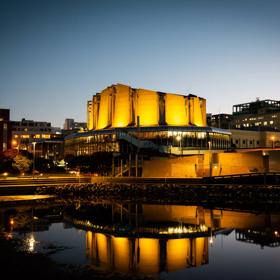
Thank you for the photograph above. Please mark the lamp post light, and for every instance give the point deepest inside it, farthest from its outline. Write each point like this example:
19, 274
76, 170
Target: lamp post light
210, 158
15, 145
179, 139
34, 150
273, 139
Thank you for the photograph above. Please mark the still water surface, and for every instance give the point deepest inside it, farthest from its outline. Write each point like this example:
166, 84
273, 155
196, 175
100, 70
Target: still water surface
165, 241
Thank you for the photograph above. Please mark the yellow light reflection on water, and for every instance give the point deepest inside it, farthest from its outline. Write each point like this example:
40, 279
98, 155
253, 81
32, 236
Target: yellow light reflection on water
149, 255
177, 253
121, 253
102, 247
30, 243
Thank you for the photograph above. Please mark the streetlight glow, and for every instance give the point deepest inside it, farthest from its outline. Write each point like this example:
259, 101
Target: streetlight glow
272, 139
179, 139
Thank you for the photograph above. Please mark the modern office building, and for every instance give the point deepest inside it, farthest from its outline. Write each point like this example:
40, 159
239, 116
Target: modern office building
25, 132
252, 125
5, 130
250, 139
29, 134
261, 114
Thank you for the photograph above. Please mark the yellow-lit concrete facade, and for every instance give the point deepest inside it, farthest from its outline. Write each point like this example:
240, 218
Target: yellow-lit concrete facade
124, 120
120, 106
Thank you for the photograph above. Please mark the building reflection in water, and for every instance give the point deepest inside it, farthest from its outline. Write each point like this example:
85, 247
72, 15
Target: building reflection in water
145, 255
146, 252
177, 240
145, 238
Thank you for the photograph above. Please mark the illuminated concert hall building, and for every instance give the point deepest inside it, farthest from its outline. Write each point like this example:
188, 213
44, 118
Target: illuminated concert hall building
122, 119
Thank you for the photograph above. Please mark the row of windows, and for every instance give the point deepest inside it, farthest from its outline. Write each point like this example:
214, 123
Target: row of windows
38, 136
31, 130
270, 123
237, 141
31, 124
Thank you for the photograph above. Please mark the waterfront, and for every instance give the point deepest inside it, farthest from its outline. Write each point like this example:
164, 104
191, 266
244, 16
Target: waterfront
166, 241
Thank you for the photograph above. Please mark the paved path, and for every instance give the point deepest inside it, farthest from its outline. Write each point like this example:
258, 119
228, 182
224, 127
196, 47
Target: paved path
8, 198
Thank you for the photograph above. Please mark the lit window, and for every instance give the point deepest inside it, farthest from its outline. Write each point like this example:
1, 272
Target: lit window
46, 136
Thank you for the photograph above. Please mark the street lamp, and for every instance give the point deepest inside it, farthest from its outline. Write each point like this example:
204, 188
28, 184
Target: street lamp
34, 149
179, 139
15, 145
272, 139
210, 158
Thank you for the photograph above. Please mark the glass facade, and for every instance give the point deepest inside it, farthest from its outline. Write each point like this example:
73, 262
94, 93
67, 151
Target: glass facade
153, 138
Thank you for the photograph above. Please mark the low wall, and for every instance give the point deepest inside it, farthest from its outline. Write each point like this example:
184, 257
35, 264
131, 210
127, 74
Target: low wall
170, 167
216, 164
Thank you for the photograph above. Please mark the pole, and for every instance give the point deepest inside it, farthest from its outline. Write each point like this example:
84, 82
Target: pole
272, 140
210, 159
179, 139
181, 150
136, 164
129, 164
113, 165
34, 143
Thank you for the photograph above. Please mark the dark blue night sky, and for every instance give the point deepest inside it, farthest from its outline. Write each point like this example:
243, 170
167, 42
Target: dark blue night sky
54, 55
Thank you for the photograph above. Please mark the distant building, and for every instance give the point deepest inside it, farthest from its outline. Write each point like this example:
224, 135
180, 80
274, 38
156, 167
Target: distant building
49, 148
5, 130
70, 124
220, 120
249, 139
261, 114
25, 132
48, 141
